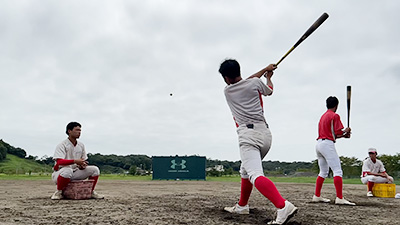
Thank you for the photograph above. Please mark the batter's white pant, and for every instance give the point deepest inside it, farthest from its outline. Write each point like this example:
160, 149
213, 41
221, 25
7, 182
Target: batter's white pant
328, 158
254, 144
66, 172
376, 179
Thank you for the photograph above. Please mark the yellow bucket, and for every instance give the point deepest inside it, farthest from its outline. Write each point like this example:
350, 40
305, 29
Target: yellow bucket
384, 190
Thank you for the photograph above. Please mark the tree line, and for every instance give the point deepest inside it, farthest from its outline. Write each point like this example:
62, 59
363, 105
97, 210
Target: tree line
142, 164
275, 168
7, 148
351, 167
111, 164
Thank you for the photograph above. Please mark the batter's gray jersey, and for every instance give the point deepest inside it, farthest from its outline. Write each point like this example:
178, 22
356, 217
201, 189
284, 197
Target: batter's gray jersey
245, 100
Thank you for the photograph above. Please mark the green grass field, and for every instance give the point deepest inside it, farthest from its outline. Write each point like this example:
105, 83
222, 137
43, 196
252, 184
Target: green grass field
307, 180
304, 180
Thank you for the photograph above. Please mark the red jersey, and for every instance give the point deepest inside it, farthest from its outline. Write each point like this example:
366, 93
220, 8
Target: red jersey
329, 124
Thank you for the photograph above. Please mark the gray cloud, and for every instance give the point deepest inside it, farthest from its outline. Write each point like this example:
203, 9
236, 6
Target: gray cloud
112, 67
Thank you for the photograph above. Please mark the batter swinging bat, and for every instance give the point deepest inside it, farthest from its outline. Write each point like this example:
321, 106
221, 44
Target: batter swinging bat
313, 27
348, 105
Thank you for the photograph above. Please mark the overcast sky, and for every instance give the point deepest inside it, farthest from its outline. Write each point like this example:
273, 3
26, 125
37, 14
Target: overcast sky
112, 65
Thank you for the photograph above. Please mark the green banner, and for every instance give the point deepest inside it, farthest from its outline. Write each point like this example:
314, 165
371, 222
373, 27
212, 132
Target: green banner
179, 167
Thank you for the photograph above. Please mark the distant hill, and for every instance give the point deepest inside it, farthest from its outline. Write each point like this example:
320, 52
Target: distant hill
15, 165
6, 148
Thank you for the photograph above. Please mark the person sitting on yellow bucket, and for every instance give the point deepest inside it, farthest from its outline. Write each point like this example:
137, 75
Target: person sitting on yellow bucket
373, 171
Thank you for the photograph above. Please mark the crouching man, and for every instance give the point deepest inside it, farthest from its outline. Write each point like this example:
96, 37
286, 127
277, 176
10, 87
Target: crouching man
70, 162
373, 172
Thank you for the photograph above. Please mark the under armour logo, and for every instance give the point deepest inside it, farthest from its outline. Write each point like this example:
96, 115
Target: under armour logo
174, 164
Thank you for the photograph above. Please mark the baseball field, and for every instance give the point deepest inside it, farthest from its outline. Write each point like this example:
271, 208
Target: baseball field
183, 202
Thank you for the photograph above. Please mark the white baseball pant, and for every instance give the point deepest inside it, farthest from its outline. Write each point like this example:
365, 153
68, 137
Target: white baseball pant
254, 144
376, 179
67, 172
328, 157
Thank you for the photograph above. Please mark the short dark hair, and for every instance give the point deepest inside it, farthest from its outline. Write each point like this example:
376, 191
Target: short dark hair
71, 126
230, 68
331, 102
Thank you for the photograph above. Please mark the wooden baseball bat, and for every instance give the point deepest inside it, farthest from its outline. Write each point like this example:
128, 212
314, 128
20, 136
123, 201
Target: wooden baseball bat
313, 27
348, 105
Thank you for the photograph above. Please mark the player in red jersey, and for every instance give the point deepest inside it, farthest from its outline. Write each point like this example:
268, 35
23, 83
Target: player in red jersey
330, 128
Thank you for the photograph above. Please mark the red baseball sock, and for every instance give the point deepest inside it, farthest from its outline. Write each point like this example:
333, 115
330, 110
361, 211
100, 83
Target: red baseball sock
245, 191
266, 187
318, 186
370, 185
95, 181
338, 182
62, 182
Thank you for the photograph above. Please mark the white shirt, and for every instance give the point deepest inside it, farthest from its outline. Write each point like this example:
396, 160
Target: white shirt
369, 166
67, 150
244, 98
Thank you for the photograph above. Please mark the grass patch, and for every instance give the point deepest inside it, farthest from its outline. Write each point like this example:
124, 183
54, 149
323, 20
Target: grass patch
311, 180
303, 180
16, 165
24, 177
124, 177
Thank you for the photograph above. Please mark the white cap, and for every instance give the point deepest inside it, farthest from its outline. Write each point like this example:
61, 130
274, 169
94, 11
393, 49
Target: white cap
373, 150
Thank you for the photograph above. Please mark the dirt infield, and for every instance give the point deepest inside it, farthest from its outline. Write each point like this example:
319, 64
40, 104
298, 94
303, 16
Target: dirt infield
183, 202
